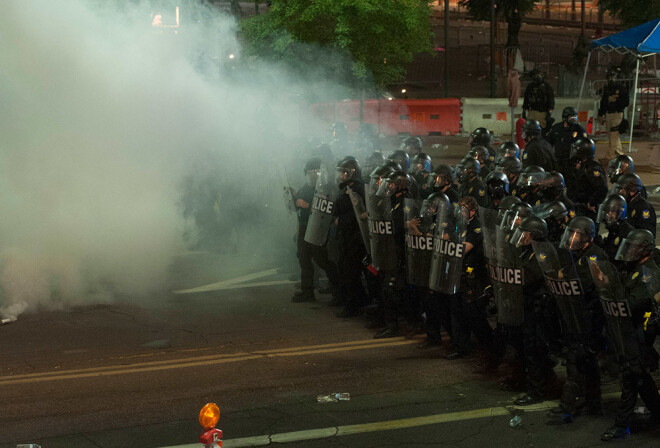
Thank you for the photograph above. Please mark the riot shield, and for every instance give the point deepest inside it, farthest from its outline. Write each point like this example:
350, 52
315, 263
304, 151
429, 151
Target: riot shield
381, 229
564, 284
322, 205
616, 308
420, 227
505, 272
360, 210
448, 251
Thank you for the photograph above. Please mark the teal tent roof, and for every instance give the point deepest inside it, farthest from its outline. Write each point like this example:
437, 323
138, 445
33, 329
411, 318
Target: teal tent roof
640, 39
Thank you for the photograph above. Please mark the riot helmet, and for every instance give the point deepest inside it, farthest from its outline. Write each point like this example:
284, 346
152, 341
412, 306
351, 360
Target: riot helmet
555, 215
480, 137
443, 176
480, 153
529, 182
510, 166
638, 244
552, 185
569, 115
348, 170
467, 169
505, 205
467, 208
531, 128
402, 158
613, 209
497, 185
629, 186
397, 182
338, 131
507, 149
378, 175
578, 234
421, 163
312, 170
515, 215
412, 145
583, 149
530, 229
622, 164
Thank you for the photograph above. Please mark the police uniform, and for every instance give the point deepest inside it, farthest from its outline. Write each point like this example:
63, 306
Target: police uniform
539, 100
351, 252
452, 194
308, 252
589, 187
641, 214
561, 137
539, 152
467, 314
614, 101
476, 189
635, 378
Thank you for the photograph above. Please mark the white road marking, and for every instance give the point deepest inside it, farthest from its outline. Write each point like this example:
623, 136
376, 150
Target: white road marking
227, 284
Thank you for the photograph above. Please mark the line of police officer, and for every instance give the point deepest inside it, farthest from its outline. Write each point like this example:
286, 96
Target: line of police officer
519, 233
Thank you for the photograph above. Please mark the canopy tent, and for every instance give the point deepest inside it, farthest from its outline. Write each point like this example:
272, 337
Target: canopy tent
642, 41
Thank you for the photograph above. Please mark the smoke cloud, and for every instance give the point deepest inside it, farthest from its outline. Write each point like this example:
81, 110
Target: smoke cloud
114, 134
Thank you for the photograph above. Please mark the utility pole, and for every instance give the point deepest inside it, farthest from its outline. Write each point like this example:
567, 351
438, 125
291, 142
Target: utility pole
492, 49
446, 48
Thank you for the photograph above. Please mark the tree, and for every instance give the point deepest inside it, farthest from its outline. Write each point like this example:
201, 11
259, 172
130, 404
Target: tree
359, 40
633, 12
511, 10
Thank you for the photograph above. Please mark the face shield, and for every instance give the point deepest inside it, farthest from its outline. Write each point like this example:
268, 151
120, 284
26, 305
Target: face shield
429, 208
521, 238
512, 220
438, 182
462, 174
343, 175
631, 250
607, 214
574, 239
312, 176
387, 188
423, 166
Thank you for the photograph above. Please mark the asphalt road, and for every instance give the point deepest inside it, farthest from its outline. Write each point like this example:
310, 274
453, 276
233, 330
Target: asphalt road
135, 374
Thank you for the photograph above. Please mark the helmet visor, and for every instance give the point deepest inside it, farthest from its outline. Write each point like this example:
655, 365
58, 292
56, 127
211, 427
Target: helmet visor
573, 239
387, 188
343, 175
512, 220
630, 250
521, 238
608, 214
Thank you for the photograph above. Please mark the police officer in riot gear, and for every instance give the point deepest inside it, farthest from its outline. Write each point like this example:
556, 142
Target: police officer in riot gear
412, 146
481, 154
505, 205
468, 314
612, 214
307, 252
339, 137
621, 165
588, 186
507, 149
528, 187
629, 305
497, 188
421, 168
442, 181
563, 135
613, 102
641, 214
552, 188
351, 245
512, 167
480, 137
539, 100
467, 173
394, 187
537, 150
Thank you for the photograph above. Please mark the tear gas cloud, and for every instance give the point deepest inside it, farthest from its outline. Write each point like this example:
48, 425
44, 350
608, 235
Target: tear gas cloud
114, 134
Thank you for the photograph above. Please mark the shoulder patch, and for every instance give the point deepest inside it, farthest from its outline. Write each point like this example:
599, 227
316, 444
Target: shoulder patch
513, 192
616, 241
584, 135
538, 202
525, 156
596, 173
646, 214
572, 213
406, 209
482, 192
464, 233
635, 275
575, 134
396, 206
542, 256
634, 212
593, 257
477, 230
470, 189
